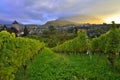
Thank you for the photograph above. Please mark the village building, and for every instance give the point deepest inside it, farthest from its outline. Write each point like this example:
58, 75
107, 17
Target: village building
16, 28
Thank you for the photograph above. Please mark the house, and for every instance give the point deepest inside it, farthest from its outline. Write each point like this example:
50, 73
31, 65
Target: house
16, 28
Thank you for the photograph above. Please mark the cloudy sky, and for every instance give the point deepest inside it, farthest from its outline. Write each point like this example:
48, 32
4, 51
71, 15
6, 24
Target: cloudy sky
41, 11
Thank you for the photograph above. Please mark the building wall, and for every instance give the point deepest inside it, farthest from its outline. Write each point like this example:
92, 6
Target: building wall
16, 26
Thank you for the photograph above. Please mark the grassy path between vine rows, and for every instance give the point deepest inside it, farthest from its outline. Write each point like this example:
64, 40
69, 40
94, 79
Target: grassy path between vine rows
51, 66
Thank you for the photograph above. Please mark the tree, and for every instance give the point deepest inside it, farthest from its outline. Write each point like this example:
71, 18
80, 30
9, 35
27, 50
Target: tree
26, 32
51, 28
70, 30
46, 32
75, 30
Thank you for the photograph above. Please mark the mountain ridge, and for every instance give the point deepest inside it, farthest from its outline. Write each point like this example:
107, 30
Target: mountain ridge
59, 23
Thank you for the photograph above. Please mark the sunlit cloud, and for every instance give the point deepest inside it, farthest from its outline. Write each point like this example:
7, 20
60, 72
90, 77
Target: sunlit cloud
41, 11
115, 18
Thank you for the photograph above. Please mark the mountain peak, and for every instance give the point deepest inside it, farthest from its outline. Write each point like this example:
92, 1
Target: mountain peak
59, 23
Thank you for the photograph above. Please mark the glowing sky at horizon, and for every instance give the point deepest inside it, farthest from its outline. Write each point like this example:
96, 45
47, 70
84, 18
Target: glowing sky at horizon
41, 11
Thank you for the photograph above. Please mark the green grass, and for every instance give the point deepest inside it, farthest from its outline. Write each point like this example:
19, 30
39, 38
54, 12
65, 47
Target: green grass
51, 66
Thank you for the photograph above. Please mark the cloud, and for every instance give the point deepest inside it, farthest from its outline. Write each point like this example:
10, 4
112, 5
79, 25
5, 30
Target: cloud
41, 11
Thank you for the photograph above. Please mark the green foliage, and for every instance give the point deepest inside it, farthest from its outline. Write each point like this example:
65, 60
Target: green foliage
46, 32
26, 32
113, 39
75, 30
15, 52
98, 44
70, 30
52, 40
113, 43
79, 44
51, 28
52, 66
108, 42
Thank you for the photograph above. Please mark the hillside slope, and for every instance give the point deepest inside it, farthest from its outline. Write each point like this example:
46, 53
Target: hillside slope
60, 23
51, 66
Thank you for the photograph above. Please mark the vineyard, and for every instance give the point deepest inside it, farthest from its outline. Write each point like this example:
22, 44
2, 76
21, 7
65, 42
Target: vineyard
16, 52
51, 66
78, 45
29, 59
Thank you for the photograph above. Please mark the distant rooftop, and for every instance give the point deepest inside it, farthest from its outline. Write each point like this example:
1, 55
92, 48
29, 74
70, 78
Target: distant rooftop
15, 22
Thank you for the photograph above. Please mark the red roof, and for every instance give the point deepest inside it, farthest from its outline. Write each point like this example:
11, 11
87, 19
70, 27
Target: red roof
15, 22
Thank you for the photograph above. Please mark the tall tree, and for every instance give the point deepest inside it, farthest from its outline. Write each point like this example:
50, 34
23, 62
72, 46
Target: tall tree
51, 28
26, 32
75, 30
